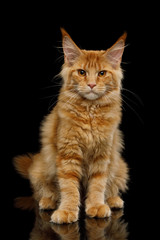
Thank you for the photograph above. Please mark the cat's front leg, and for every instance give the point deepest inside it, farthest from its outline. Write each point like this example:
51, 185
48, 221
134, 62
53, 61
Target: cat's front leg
95, 202
69, 173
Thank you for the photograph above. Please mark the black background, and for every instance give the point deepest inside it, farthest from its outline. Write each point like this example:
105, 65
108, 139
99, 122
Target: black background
33, 57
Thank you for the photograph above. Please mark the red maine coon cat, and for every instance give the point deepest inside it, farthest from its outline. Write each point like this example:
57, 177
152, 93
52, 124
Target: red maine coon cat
80, 138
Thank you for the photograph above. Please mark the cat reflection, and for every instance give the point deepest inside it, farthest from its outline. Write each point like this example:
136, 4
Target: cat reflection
113, 228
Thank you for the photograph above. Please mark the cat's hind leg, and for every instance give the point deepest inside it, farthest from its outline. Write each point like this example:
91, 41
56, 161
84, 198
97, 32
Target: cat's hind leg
48, 200
44, 189
117, 184
115, 202
46, 195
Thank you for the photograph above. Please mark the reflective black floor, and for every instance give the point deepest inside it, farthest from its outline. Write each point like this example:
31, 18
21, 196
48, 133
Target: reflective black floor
91, 229
35, 225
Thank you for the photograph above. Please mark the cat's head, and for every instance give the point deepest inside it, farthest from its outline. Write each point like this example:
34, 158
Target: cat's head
92, 74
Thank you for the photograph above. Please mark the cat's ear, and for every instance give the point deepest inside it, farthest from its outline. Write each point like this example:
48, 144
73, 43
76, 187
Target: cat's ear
70, 49
114, 54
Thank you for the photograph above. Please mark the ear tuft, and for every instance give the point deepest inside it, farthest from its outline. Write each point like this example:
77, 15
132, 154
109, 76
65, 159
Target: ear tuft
64, 33
70, 49
114, 54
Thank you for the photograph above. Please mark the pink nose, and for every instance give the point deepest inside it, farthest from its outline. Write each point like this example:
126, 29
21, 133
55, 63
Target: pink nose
91, 85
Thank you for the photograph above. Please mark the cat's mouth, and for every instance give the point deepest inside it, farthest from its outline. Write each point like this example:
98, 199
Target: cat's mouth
91, 95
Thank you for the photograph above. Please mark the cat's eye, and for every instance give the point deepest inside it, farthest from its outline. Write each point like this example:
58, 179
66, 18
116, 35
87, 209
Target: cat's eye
102, 73
81, 72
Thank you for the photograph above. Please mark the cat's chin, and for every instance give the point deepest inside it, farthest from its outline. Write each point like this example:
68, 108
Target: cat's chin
91, 96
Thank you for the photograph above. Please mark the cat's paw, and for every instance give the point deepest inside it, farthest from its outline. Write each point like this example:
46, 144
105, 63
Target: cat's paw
115, 202
100, 211
64, 216
47, 203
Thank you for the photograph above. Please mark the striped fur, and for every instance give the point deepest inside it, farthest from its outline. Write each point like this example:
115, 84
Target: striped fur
81, 140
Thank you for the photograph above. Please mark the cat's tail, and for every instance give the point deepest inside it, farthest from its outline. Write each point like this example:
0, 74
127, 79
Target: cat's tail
25, 203
22, 164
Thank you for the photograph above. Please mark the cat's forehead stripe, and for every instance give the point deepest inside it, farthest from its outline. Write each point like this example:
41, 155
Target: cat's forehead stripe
92, 60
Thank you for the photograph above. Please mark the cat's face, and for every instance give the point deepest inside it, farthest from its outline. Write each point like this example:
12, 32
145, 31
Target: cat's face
92, 74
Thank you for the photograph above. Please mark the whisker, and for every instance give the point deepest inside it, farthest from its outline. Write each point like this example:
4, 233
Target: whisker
134, 94
55, 102
118, 97
49, 96
51, 86
73, 96
135, 112
125, 63
141, 120
129, 99
52, 104
57, 77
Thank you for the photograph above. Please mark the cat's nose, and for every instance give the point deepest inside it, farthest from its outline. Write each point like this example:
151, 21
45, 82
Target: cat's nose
91, 85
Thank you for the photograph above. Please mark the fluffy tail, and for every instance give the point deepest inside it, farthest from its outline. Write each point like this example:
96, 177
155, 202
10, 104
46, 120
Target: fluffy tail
25, 203
22, 164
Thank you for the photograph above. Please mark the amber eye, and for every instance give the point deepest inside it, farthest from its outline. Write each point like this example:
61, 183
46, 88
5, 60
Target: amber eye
102, 73
81, 72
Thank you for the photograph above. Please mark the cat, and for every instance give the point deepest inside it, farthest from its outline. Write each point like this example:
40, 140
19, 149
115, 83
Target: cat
81, 143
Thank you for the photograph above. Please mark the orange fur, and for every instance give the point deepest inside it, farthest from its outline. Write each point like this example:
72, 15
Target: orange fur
22, 164
81, 140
